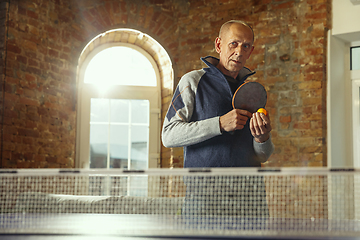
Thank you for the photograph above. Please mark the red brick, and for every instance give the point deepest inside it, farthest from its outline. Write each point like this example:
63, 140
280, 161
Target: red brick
39, 158
319, 15
28, 101
283, 5
312, 2
53, 53
11, 97
267, 40
272, 72
285, 119
311, 101
32, 14
30, 45
13, 48
302, 125
33, 63
21, 59
320, 7
29, 78
51, 159
10, 113
29, 93
34, 22
28, 132
33, 70
21, 10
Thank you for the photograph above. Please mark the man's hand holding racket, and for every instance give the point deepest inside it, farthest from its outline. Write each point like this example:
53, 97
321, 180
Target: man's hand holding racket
234, 120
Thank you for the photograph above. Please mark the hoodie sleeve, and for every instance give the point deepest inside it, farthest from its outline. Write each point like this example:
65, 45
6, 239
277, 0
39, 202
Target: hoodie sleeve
177, 130
264, 150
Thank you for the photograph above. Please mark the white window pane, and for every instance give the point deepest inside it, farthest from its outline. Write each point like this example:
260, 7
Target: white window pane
355, 58
120, 66
119, 145
99, 111
140, 111
119, 111
98, 145
139, 147
138, 186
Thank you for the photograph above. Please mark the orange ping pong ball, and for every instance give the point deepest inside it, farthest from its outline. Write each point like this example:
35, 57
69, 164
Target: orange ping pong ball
262, 110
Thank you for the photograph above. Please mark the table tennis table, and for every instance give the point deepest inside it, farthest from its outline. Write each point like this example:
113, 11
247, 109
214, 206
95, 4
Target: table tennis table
309, 203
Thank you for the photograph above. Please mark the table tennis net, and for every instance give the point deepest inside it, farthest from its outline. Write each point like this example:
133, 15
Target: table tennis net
318, 201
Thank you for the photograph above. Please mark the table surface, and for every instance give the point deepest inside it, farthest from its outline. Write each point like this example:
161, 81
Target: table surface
116, 226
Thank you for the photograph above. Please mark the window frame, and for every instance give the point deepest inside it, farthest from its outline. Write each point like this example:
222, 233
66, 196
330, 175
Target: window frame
355, 78
87, 91
355, 100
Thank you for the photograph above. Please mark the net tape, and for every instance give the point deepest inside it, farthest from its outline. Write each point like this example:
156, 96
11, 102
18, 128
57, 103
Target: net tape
234, 201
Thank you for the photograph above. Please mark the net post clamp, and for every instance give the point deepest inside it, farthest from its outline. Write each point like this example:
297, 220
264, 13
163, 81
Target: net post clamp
69, 171
199, 170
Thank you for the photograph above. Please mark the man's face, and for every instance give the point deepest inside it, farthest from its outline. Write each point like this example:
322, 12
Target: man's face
234, 48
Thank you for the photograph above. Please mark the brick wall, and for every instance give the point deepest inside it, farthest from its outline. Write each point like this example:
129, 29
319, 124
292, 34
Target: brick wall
46, 38
3, 17
39, 116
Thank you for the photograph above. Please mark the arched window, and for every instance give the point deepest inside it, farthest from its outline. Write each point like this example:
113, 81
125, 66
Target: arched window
119, 100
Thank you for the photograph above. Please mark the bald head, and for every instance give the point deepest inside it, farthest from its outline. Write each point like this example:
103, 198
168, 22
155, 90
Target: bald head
234, 45
226, 26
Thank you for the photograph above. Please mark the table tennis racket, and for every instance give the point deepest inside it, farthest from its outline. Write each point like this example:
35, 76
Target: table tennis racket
250, 96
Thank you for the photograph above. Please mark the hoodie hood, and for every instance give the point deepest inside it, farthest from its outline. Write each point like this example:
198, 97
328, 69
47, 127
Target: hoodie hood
212, 62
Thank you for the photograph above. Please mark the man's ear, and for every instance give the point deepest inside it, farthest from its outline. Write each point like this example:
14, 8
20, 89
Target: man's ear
217, 44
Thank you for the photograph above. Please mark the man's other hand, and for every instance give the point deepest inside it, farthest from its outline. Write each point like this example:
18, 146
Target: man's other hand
260, 127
